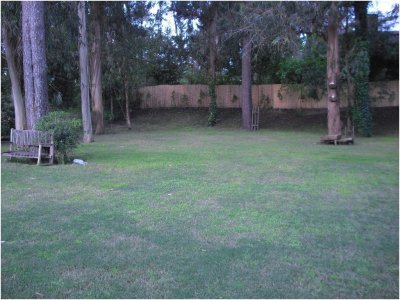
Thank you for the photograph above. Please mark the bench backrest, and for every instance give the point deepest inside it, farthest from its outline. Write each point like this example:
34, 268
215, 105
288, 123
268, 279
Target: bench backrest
30, 137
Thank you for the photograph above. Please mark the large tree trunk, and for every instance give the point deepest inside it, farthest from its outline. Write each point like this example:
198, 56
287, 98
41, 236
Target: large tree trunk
18, 99
246, 83
27, 65
83, 65
334, 125
34, 62
96, 86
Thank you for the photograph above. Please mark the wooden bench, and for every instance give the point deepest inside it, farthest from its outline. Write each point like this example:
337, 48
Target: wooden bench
339, 139
31, 144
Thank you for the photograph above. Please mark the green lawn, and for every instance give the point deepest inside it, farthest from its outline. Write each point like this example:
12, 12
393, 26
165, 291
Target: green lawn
172, 212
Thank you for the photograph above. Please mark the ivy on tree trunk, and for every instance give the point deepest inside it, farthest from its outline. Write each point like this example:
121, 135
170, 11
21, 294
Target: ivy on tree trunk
361, 110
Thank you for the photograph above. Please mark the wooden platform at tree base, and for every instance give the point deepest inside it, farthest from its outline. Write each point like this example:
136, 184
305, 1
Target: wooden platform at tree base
336, 140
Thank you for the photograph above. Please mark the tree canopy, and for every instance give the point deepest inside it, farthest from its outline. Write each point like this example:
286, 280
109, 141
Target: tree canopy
142, 43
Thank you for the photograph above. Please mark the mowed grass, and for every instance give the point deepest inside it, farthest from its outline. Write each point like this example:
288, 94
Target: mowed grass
193, 212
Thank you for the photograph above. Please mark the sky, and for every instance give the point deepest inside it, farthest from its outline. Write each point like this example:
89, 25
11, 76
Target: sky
384, 6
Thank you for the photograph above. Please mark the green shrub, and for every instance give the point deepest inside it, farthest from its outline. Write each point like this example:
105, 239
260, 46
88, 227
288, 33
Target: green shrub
67, 132
109, 117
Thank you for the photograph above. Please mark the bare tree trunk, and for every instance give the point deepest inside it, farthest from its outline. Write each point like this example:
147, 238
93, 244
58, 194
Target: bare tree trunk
83, 64
122, 73
35, 67
246, 83
110, 61
18, 99
349, 108
112, 109
128, 114
334, 124
212, 48
27, 65
349, 101
212, 35
96, 86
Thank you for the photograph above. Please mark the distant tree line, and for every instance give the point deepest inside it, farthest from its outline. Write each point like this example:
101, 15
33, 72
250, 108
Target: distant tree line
91, 57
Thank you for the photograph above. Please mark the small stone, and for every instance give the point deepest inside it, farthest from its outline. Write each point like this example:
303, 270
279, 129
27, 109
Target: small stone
79, 162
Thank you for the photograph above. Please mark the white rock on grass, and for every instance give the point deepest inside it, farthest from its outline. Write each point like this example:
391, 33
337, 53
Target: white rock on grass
79, 162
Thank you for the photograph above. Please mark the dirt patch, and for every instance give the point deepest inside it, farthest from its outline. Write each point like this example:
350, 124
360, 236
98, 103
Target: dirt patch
385, 120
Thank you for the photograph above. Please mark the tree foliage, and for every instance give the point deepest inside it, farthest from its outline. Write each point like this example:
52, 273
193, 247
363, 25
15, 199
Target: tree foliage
62, 54
307, 72
288, 46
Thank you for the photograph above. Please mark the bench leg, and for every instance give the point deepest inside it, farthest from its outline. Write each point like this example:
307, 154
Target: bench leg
52, 155
39, 155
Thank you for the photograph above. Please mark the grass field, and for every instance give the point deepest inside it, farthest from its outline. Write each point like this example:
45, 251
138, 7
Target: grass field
171, 211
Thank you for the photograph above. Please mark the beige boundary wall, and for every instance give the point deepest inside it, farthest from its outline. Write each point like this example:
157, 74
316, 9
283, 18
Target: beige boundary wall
383, 94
